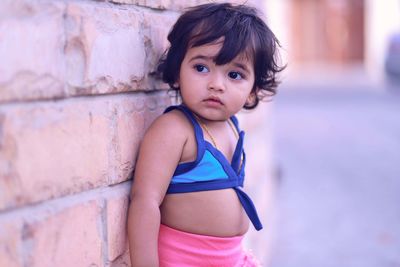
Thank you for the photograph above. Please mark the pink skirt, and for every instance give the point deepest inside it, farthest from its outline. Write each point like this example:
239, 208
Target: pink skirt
181, 249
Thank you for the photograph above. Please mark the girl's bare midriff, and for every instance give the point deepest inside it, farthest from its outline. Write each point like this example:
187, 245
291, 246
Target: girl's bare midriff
213, 213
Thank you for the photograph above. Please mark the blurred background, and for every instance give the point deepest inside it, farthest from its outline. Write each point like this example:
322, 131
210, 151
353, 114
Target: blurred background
336, 134
325, 152
352, 36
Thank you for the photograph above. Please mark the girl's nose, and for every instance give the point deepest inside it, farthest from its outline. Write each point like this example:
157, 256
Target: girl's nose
216, 82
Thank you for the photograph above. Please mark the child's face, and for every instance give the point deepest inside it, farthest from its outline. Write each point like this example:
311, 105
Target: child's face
214, 92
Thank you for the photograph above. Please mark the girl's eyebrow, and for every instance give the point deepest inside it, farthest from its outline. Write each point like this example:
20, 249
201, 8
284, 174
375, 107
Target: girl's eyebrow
241, 66
202, 57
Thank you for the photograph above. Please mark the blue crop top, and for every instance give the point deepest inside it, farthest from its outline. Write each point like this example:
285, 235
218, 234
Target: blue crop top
211, 170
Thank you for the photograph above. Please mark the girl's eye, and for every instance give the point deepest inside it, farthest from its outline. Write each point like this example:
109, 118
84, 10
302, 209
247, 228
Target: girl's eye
235, 75
201, 68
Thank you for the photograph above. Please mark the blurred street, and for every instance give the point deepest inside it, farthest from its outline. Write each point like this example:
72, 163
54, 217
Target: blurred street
337, 147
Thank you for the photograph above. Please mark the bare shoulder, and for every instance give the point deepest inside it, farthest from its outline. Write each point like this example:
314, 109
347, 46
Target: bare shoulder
160, 152
170, 132
172, 125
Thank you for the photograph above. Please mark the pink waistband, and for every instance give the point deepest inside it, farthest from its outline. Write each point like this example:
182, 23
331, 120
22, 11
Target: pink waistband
181, 249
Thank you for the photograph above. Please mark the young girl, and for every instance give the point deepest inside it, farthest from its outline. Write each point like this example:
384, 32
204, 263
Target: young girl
188, 207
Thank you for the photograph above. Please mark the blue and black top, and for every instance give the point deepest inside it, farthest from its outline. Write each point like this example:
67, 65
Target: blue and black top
211, 170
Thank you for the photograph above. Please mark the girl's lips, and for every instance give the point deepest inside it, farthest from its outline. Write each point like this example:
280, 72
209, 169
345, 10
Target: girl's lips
213, 101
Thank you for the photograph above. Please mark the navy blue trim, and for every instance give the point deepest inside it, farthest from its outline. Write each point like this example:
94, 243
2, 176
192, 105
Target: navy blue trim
237, 155
201, 186
236, 123
187, 166
235, 176
249, 208
242, 171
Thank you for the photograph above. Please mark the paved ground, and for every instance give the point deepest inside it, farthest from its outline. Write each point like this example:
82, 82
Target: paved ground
339, 192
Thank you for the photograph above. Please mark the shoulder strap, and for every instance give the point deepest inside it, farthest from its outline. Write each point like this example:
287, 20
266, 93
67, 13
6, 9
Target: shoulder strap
236, 123
198, 133
189, 115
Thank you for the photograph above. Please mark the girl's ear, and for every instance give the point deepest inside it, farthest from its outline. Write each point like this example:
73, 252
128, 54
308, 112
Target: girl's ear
251, 98
176, 83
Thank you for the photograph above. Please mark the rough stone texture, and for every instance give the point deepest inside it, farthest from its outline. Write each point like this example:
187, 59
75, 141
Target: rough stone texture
10, 241
64, 235
155, 37
70, 146
131, 117
78, 48
122, 261
117, 202
104, 48
32, 61
162, 4
173, 5
77, 95
53, 148
129, 40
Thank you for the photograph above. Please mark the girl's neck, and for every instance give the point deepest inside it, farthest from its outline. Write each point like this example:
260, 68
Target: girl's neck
217, 124
213, 128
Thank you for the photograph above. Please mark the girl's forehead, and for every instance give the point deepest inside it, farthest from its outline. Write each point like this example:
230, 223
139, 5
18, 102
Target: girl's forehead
212, 50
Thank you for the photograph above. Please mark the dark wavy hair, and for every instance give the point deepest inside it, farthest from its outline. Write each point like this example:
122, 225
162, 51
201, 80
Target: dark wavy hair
242, 30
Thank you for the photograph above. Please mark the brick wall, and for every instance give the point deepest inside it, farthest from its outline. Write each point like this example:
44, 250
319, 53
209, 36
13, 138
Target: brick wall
75, 100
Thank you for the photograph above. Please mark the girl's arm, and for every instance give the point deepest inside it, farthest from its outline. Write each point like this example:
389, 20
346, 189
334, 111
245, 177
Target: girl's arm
160, 153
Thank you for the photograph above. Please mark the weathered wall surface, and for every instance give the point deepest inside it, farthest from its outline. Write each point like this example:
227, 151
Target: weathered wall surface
75, 99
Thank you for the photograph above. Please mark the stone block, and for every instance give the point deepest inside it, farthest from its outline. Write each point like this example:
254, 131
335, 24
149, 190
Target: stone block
69, 146
131, 116
155, 107
58, 49
122, 261
64, 235
162, 4
55, 148
128, 118
175, 5
156, 26
117, 203
104, 50
10, 241
32, 64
